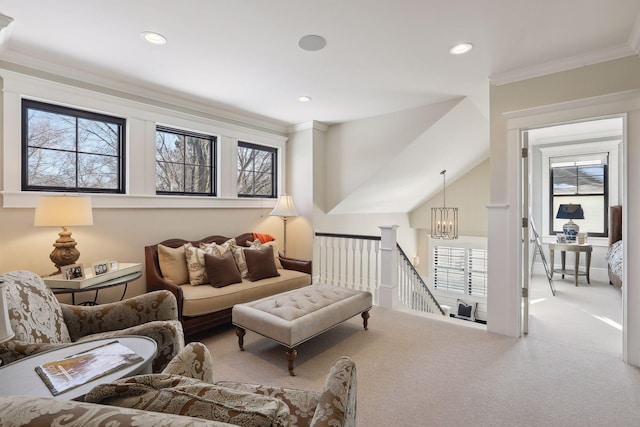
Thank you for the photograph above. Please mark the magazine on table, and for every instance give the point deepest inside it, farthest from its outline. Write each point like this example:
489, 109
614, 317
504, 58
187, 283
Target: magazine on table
80, 368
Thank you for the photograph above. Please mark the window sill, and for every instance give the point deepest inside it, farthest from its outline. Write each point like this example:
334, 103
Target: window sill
128, 201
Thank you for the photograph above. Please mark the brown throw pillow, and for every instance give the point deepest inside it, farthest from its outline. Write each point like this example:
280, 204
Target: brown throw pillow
260, 263
222, 270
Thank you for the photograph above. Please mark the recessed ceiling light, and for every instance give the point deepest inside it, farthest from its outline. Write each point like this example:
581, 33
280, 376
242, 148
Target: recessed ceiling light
304, 99
312, 42
154, 38
461, 48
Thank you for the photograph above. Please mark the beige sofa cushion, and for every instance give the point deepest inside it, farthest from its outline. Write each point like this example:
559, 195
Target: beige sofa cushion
173, 264
175, 394
199, 300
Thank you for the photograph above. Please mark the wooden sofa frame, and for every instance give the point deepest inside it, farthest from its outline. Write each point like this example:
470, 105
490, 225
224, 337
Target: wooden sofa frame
195, 324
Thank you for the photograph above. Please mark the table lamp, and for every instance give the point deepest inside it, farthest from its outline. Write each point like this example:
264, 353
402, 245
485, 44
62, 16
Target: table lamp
570, 212
6, 333
63, 211
284, 208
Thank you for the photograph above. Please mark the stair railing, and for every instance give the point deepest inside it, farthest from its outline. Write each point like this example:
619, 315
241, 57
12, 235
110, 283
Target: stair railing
356, 262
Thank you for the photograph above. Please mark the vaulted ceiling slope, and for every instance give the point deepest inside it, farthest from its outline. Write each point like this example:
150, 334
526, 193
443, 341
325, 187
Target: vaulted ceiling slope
241, 60
408, 173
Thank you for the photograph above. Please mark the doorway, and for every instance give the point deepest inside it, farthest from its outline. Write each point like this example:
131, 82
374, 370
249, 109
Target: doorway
574, 163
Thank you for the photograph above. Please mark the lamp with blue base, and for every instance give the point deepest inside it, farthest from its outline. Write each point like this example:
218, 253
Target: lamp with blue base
570, 212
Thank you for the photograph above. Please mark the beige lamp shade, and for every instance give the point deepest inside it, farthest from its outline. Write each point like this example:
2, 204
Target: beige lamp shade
284, 207
6, 332
63, 211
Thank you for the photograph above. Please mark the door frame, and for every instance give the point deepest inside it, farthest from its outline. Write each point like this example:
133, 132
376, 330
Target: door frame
620, 104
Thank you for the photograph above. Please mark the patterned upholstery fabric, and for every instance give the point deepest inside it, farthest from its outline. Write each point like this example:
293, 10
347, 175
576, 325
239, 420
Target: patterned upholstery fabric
26, 411
178, 395
194, 362
40, 322
335, 406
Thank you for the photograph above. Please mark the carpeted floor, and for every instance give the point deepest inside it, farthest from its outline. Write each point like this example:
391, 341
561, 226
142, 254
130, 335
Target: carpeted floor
420, 371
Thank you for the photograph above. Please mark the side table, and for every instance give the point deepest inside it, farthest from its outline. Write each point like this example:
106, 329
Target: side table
124, 280
20, 377
576, 249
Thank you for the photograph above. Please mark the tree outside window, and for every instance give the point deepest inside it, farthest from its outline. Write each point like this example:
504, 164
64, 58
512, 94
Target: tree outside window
184, 162
66, 149
256, 170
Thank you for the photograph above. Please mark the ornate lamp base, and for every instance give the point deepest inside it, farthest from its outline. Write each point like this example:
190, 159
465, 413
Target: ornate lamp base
65, 252
570, 231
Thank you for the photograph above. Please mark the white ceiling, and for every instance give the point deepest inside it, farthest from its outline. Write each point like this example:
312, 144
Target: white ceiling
240, 58
381, 55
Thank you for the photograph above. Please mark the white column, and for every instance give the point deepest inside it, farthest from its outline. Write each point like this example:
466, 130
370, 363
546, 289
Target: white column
388, 293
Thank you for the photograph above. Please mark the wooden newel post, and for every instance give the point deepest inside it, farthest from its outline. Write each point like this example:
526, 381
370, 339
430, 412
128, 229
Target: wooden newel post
388, 293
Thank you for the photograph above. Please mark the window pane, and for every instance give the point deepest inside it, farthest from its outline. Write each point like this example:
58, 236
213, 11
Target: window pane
98, 137
50, 130
169, 177
591, 179
48, 168
197, 179
169, 147
97, 171
198, 151
564, 180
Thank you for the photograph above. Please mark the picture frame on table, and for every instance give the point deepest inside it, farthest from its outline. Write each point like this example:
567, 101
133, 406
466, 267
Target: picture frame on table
72, 272
100, 267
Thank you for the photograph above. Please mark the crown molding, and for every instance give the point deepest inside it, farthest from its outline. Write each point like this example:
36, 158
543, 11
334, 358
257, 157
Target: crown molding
309, 125
35, 67
564, 64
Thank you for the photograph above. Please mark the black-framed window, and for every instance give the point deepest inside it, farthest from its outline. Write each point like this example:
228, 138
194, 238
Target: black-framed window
70, 150
185, 162
257, 166
583, 180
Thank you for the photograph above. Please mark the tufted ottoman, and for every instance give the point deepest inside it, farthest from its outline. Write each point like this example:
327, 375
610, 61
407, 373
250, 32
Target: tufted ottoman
293, 317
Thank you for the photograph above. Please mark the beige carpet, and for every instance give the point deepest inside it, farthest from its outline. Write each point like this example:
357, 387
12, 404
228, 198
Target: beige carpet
418, 371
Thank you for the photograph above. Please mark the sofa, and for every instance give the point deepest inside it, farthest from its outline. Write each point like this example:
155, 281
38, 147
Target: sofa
201, 305
41, 323
185, 394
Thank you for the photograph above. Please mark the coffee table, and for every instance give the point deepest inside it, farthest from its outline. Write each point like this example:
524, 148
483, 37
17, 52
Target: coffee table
20, 377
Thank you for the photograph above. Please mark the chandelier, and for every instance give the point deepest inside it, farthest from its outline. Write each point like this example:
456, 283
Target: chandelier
444, 220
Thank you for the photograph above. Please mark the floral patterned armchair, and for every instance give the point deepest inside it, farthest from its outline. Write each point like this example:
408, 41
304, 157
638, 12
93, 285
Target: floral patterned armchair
184, 394
40, 322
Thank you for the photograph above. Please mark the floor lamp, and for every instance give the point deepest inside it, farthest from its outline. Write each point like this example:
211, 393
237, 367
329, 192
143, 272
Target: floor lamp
284, 208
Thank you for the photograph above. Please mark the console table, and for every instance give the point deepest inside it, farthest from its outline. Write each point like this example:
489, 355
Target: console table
123, 280
20, 377
576, 249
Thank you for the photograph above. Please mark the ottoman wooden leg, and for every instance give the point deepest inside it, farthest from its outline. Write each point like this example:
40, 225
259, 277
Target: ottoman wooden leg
365, 319
291, 356
240, 332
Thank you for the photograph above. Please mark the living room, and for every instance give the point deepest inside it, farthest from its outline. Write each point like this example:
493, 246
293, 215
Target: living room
337, 187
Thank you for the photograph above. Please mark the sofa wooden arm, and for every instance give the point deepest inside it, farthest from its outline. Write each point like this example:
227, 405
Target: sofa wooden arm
301, 265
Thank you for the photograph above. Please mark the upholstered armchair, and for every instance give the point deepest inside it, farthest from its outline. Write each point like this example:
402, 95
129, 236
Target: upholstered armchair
184, 394
41, 323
